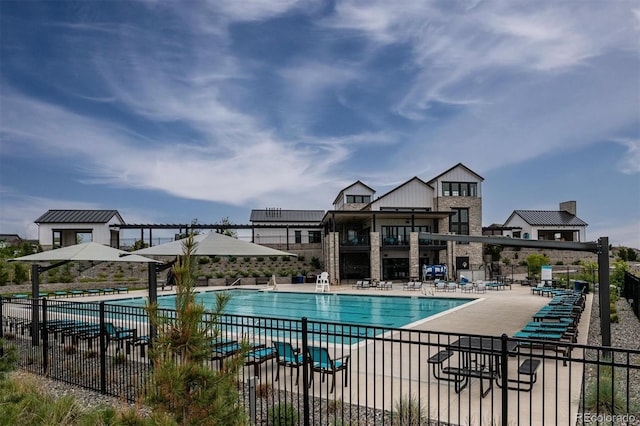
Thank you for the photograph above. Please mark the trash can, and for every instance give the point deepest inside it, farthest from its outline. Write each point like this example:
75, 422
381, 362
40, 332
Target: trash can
299, 279
581, 286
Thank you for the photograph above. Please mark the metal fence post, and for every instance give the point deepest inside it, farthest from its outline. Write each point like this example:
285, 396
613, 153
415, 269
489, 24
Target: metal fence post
252, 399
45, 338
103, 352
504, 359
305, 372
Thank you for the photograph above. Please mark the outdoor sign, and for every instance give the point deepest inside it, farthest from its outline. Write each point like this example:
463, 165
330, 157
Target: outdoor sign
546, 273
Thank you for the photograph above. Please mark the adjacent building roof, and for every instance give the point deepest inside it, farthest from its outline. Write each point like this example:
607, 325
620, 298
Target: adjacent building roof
548, 218
78, 216
292, 216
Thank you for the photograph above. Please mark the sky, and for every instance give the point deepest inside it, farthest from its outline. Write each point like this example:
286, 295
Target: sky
172, 111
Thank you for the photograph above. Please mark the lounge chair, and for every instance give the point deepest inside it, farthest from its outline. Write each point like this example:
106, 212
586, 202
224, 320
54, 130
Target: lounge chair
257, 357
288, 356
452, 286
321, 362
481, 287
412, 285
441, 286
385, 285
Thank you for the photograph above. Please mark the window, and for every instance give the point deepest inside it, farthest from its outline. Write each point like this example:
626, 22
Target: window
459, 189
298, 237
314, 237
362, 199
459, 221
399, 235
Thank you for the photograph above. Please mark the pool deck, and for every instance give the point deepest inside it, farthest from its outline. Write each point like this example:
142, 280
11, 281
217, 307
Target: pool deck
495, 312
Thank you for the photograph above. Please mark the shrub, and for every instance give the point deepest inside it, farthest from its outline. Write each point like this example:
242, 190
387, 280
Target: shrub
232, 259
20, 273
247, 259
614, 318
601, 395
409, 411
286, 258
300, 258
315, 262
260, 259
203, 260
273, 258
215, 259
282, 414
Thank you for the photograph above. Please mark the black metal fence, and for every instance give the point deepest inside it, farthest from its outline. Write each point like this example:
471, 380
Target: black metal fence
351, 374
632, 292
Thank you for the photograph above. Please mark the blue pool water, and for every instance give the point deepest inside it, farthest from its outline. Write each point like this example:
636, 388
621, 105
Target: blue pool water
378, 311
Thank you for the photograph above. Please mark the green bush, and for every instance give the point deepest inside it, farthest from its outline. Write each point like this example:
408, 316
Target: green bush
232, 259
601, 395
273, 258
247, 259
4, 273
20, 273
300, 258
282, 414
315, 262
260, 259
285, 258
203, 260
215, 259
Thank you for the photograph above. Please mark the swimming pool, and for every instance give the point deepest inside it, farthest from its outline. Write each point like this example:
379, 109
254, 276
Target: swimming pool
367, 310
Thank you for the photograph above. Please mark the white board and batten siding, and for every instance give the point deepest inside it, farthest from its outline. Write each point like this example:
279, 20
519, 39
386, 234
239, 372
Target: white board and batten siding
457, 174
414, 194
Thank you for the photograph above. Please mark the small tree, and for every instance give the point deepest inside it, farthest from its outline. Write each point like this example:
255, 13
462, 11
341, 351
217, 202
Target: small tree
588, 270
182, 383
535, 262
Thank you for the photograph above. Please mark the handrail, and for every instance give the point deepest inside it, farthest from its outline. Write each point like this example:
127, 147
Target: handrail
235, 282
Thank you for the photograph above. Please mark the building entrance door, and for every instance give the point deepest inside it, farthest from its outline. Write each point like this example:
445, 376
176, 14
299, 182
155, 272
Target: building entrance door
395, 269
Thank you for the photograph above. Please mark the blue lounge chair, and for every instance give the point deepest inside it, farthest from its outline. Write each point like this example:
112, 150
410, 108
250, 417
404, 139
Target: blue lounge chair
321, 362
288, 356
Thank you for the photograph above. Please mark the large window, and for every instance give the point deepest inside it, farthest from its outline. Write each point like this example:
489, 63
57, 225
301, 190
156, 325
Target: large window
314, 237
399, 235
459, 221
298, 235
362, 199
459, 189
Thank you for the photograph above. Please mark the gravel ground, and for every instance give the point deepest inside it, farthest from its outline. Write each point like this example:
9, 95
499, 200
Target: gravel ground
624, 334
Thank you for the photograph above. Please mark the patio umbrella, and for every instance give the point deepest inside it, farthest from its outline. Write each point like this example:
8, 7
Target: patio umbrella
94, 252
91, 251
211, 244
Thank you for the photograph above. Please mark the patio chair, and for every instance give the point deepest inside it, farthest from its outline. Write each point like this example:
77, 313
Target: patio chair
441, 286
321, 362
288, 356
481, 287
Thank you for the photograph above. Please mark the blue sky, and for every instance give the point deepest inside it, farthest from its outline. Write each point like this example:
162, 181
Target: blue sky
170, 111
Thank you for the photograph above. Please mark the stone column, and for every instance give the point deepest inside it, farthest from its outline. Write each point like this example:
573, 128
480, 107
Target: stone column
375, 263
414, 255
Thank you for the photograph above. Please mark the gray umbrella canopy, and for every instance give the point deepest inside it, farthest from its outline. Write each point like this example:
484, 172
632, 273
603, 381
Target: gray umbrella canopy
85, 252
213, 244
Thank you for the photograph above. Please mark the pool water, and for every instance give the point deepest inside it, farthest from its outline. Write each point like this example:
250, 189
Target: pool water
369, 310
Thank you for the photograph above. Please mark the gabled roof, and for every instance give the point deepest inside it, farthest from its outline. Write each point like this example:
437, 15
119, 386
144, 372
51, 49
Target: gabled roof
456, 166
292, 216
548, 218
78, 216
373, 191
397, 188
